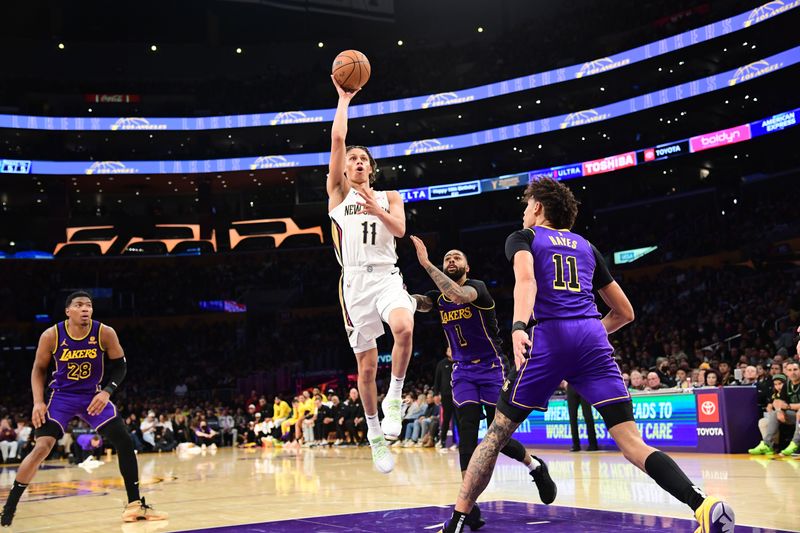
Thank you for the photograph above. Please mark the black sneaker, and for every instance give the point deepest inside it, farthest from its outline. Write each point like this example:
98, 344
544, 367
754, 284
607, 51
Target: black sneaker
545, 484
6, 517
474, 520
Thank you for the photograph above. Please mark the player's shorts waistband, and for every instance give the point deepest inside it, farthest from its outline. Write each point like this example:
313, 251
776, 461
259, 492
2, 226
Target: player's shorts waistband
369, 268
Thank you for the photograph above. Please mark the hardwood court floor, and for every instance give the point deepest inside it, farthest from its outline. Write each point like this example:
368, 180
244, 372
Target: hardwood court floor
233, 487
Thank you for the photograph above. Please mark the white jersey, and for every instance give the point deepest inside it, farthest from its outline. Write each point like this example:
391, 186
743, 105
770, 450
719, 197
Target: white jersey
361, 239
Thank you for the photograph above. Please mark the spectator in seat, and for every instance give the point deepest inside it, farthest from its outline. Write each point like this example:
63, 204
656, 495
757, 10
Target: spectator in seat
24, 441
654, 382
227, 427
432, 411
726, 377
749, 375
355, 423
8, 440
785, 407
637, 381
180, 429
325, 423
205, 435
713, 378
148, 429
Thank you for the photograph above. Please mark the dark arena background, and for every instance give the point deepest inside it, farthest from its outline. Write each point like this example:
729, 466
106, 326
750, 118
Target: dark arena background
170, 158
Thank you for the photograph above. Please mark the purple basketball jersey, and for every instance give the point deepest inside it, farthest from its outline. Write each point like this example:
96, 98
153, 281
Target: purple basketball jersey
79, 361
471, 329
564, 265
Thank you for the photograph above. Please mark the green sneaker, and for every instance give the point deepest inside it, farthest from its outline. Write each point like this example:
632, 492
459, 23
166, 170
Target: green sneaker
381, 456
790, 449
762, 449
392, 422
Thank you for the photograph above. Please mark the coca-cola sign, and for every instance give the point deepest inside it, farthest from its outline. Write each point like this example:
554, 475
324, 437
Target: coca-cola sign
97, 98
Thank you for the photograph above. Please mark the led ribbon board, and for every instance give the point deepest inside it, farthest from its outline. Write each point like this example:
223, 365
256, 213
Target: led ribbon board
467, 140
474, 94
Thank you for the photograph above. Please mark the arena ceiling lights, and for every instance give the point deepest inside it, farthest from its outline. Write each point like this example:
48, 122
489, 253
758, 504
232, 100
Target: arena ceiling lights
635, 55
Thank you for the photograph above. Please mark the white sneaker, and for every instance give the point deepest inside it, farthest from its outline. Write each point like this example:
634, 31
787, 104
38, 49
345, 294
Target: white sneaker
381, 455
438, 445
408, 444
392, 423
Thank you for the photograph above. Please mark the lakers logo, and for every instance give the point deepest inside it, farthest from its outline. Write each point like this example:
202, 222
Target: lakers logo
440, 99
136, 123
68, 355
427, 145
456, 314
579, 118
109, 167
600, 65
293, 117
272, 161
753, 70
769, 10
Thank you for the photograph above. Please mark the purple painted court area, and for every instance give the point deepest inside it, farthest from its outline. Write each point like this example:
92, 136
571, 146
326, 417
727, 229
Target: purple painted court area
502, 516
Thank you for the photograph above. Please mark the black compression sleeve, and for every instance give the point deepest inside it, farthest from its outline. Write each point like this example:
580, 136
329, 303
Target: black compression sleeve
602, 276
519, 241
484, 299
117, 368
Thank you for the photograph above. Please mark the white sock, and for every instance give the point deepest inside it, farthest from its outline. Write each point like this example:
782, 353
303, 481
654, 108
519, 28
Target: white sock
534, 464
395, 388
373, 427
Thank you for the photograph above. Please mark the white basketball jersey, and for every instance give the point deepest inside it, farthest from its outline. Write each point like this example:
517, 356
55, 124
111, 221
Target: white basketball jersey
360, 239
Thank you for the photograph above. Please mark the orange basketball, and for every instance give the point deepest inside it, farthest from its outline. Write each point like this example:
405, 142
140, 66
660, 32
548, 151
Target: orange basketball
351, 70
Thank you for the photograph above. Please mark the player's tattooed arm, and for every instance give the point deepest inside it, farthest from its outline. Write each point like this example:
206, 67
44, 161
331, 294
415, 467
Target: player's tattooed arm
481, 466
460, 294
424, 303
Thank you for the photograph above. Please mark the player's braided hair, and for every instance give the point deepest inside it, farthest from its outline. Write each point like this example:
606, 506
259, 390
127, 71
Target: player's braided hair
372, 163
560, 205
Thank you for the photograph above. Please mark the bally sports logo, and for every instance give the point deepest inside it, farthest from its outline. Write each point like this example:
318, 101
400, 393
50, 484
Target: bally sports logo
440, 99
110, 167
272, 161
293, 117
136, 123
600, 65
579, 118
753, 70
427, 145
720, 138
769, 10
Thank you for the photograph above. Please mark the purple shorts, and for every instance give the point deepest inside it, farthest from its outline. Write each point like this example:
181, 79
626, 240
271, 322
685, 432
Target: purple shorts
576, 350
478, 382
64, 406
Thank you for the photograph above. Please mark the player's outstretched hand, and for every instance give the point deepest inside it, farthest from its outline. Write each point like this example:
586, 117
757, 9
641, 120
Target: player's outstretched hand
521, 344
343, 93
98, 403
38, 414
370, 205
422, 250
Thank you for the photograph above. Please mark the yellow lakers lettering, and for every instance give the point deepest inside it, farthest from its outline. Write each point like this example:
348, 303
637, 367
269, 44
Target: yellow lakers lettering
457, 314
68, 355
563, 241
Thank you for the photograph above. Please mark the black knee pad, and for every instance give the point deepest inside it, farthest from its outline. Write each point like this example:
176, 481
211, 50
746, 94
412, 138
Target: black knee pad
116, 432
49, 429
616, 413
469, 417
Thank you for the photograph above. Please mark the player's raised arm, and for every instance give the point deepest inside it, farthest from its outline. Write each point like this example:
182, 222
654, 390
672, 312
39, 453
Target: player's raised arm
336, 180
460, 294
44, 351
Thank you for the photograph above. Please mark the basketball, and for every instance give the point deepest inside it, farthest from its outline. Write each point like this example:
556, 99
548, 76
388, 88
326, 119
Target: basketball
351, 70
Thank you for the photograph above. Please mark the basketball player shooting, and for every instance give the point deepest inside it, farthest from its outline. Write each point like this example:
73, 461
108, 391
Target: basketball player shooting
365, 224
